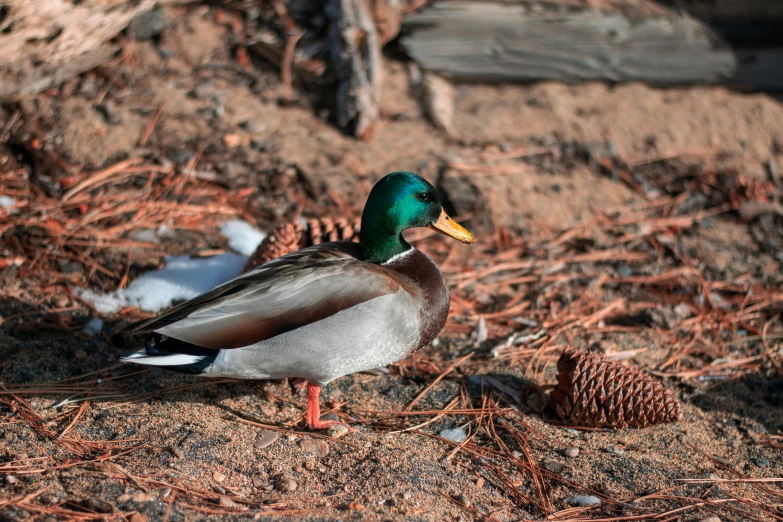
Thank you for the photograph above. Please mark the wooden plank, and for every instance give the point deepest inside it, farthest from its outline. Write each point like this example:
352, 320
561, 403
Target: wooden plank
483, 41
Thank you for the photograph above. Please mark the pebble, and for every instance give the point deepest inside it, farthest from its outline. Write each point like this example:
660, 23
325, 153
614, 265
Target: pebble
355, 506
148, 24
137, 517
265, 438
761, 462
80, 354
723, 460
94, 327
309, 465
235, 140
218, 476
614, 450
178, 452
480, 483
710, 519
462, 499
583, 500
554, 467
10, 479
571, 453
286, 485
330, 417
258, 482
316, 447
228, 503
390, 502
338, 430
253, 126
141, 497
122, 499
60, 301
456, 435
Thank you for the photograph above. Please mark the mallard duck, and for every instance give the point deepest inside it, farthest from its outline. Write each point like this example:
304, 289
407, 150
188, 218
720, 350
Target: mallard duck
321, 312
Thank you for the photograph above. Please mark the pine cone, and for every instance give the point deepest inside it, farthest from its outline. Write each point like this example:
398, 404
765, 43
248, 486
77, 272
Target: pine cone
594, 391
290, 237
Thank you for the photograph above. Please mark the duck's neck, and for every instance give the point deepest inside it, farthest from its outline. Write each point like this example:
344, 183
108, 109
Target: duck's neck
381, 241
381, 248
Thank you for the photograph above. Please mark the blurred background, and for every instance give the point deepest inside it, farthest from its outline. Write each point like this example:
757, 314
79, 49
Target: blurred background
620, 161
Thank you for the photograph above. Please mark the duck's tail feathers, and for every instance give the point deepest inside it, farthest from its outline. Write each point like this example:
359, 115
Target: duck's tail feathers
173, 355
172, 359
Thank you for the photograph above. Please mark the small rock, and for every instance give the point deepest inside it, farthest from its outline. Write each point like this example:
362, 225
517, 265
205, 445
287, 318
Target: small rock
723, 460
309, 465
253, 126
235, 140
60, 301
330, 417
710, 519
80, 354
286, 485
571, 453
94, 327
228, 503
554, 467
338, 430
141, 497
355, 506
179, 156
319, 448
265, 438
178, 452
761, 462
390, 502
462, 499
122, 499
10, 480
259, 145
614, 450
682, 311
148, 25
583, 500
480, 483
218, 476
258, 482
457, 435
137, 517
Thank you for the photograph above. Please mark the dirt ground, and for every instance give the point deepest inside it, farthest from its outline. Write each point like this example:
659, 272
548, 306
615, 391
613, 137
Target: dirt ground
643, 224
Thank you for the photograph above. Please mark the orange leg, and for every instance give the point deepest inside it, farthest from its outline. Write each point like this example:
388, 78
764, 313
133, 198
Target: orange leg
314, 421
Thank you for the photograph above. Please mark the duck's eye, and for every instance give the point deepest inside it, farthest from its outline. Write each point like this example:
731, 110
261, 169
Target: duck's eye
423, 196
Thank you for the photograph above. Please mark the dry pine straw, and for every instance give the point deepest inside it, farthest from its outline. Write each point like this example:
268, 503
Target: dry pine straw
530, 283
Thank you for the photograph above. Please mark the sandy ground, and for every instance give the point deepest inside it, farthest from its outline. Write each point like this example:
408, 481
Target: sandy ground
530, 160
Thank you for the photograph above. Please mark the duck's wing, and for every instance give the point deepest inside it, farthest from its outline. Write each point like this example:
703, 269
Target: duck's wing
285, 294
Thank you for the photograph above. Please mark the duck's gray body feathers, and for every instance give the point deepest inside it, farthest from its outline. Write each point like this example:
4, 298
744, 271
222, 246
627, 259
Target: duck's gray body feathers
317, 314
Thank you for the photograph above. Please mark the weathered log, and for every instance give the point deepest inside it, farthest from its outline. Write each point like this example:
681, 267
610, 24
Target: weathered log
355, 60
484, 41
45, 42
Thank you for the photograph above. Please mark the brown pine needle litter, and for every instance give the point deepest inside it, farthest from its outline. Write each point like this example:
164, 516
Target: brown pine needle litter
592, 286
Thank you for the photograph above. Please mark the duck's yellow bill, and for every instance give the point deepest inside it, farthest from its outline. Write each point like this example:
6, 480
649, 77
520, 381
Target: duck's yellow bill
446, 225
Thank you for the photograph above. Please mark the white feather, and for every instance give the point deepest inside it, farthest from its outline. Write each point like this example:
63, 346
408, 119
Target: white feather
175, 359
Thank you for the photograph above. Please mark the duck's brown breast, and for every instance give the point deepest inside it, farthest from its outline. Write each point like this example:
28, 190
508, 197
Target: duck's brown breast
429, 283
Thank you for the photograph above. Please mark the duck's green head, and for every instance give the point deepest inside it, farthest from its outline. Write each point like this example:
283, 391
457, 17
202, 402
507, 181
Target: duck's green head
399, 201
